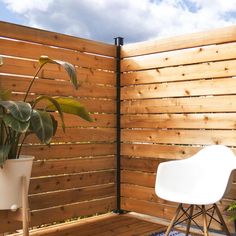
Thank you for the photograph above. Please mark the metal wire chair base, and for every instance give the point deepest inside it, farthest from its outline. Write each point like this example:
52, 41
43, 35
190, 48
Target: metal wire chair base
189, 215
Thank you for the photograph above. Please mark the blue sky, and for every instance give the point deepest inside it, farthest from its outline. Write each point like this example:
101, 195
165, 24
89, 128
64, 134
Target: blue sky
135, 20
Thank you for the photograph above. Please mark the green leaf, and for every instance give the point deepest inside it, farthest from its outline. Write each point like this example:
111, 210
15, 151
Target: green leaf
18, 126
41, 124
70, 69
4, 151
55, 124
19, 110
55, 104
72, 106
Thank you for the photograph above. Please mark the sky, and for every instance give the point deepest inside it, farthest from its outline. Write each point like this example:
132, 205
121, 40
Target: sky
135, 20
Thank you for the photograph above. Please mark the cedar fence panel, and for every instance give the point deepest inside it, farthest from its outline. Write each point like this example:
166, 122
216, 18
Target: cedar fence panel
178, 95
75, 176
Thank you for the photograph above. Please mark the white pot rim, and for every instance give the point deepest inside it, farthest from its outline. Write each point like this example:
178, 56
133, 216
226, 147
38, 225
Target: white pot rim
22, 158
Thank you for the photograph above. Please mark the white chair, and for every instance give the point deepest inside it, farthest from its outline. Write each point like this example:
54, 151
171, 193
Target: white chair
198, 181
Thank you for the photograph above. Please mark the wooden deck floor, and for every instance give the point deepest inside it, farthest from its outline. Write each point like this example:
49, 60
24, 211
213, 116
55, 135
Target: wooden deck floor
109, 224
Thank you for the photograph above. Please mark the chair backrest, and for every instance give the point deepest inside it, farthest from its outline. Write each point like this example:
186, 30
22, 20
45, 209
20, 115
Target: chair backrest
200, 179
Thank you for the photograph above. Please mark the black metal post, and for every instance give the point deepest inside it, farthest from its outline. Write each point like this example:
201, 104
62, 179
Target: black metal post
118, 42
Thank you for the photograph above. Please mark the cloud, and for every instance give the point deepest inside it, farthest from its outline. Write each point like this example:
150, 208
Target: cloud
137, 20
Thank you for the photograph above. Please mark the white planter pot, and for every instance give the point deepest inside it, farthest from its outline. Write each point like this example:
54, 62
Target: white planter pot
11, 181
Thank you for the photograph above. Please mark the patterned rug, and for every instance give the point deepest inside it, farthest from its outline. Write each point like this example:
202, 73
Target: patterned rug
172, 233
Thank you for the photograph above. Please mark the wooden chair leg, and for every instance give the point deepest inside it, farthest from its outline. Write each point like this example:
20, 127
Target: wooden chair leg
225, 228
189, 220
173, 220
25, 211
205, 229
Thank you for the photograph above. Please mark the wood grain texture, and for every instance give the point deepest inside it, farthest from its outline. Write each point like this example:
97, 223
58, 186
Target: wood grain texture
180, 89
62, 182
64, 151
183, 121
181, 57
208, 70
222, 35
180, 105
51, 38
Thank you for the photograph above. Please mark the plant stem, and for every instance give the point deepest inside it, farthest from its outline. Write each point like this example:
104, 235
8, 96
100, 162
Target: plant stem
19, 150
32, 81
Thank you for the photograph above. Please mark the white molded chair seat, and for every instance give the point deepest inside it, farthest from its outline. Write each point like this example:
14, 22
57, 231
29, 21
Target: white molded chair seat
199, 180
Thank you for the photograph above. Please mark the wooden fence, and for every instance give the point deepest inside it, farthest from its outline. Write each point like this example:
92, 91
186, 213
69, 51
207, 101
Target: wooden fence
75, 176
178, 95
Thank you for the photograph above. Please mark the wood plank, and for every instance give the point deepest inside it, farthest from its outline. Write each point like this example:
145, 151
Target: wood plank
159, 151
72, 211
62, 151
180, 89
79, 135
142, 193
140, 164
181, 57
55, 183
138, 178
181, 105
99, 120
47, 200
171, 152
52, 215
92, 105
28, 67
224, 137
216, 36
72, 166
34, 51
149, 208
55, 39
181, 73
56, 88
184, 121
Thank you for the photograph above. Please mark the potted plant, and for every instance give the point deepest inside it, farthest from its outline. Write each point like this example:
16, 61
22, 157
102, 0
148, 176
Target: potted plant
18, 119
232, 212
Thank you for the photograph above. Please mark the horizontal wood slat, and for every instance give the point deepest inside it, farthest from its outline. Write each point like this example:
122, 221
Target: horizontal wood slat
142, 193
184, 121
51, 38
181, 105
158, 151
92, 105
34, 51
61, 213
147, 207
99, 120
181, 89
138, 178
139, 164
80, 135
51, 71
56, 88
47, 184
72, 211
46, 200
208, 137
181, 73
216, 36
183, 57
62, 151
72, 166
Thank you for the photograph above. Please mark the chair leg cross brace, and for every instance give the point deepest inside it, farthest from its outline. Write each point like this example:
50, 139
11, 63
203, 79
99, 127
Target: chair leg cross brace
189, 217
